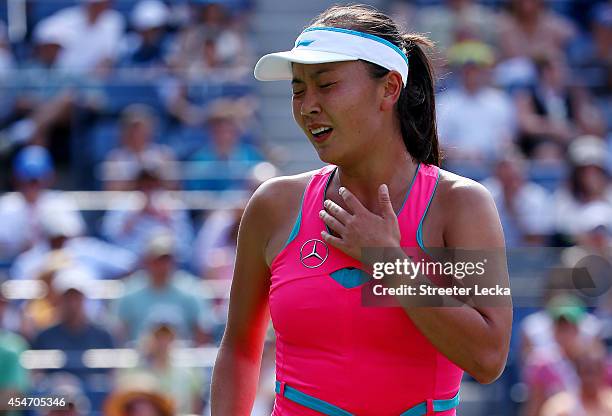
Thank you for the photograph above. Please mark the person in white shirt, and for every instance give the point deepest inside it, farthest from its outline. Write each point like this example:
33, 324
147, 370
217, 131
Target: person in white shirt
22, 212
475, 121
96, 33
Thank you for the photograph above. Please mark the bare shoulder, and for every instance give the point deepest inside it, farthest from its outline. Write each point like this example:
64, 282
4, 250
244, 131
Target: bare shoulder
272, 210
469, 212
460, 193
278, 194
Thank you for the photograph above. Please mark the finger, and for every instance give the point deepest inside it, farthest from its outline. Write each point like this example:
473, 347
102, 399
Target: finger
386, 207
334, 241
337, 211
351, 201
332, 222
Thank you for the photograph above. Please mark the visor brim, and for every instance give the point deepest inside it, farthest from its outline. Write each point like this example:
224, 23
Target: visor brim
277, 66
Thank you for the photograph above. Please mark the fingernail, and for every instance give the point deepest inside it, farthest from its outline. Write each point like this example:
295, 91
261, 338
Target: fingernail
321, 213
341, 190
385, 188
326, 203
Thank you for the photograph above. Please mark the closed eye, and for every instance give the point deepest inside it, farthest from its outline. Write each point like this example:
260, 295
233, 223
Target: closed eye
327, 85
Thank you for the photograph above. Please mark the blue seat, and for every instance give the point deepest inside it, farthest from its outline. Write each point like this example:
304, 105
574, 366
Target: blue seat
42, 9
121, 94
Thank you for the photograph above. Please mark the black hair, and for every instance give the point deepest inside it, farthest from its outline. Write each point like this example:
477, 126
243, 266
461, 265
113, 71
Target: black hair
415, 108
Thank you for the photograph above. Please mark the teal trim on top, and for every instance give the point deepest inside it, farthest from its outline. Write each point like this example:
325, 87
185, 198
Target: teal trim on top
329, 409
298, 222
419, 235
329, 178
363, 35
350, 277
438, 406
416, 172
310, 402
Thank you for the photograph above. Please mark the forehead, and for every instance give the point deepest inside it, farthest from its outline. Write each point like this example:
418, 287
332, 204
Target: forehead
303, 72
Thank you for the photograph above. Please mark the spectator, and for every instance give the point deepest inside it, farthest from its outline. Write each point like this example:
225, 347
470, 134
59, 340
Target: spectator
529, 30
183, 385
594, 397
588, 184
456, 20
13, 377
50, 39
138, 151
551, 114
593, 58
147, 46
7, 63
138, 395
160, 212
524, 207
96, 32
551, 370
476, 122
22, 212
64, 240
69, 387
223, 163
160, 292
74, 333
212, 44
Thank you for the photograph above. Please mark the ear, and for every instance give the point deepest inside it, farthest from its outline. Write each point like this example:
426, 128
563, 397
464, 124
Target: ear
393, 86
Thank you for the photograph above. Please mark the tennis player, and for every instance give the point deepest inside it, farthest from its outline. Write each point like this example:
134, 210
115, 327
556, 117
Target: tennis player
363, 93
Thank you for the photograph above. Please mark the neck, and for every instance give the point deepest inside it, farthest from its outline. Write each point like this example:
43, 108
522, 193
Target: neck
387, 163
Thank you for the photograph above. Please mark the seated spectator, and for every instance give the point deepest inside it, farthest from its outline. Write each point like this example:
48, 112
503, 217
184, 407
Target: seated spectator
225, 161
64, 239
137, 151
447, 22
551, 114
139, 395
22, 212
212, 44
588, 184
50, 38
69, 387
524, 207
528, 29
594, 396
13, 377
160, 212
215, 245
476, 121
551, 370
74, 333
184, 385
160, 292
592, 58
96, 32
7, 63
147, 46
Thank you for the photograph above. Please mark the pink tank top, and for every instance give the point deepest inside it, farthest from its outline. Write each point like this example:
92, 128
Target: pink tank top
369, 361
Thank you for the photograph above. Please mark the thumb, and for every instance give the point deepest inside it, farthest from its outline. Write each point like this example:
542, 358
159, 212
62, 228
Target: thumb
385, 202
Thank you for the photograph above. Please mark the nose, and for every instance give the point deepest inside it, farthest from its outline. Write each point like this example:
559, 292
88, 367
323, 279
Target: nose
310, 104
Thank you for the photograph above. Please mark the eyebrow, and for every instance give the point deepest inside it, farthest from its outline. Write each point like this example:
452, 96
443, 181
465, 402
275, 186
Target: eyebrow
315, 75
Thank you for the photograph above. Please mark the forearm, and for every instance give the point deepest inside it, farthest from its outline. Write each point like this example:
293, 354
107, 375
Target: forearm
234, 382
467, 333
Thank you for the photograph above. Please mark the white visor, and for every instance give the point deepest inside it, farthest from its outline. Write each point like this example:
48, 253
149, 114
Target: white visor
318, 45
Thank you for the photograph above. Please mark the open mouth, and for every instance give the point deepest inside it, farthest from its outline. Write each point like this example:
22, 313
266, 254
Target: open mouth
321, 134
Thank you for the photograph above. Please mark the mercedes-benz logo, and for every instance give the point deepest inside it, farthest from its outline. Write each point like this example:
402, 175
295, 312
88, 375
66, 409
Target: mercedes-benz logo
313, 253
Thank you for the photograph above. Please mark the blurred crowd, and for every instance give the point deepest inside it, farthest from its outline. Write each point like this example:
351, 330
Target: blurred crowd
153, 102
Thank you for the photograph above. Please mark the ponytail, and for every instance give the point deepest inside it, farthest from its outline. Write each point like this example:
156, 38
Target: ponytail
416, 107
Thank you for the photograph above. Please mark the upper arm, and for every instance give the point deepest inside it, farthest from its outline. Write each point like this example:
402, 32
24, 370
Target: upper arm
248, 309
475, 226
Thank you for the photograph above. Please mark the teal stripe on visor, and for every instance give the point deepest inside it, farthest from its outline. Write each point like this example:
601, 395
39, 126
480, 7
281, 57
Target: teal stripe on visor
360, 34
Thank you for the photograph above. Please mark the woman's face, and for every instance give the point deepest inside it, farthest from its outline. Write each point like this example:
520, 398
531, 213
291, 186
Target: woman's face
337, 105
